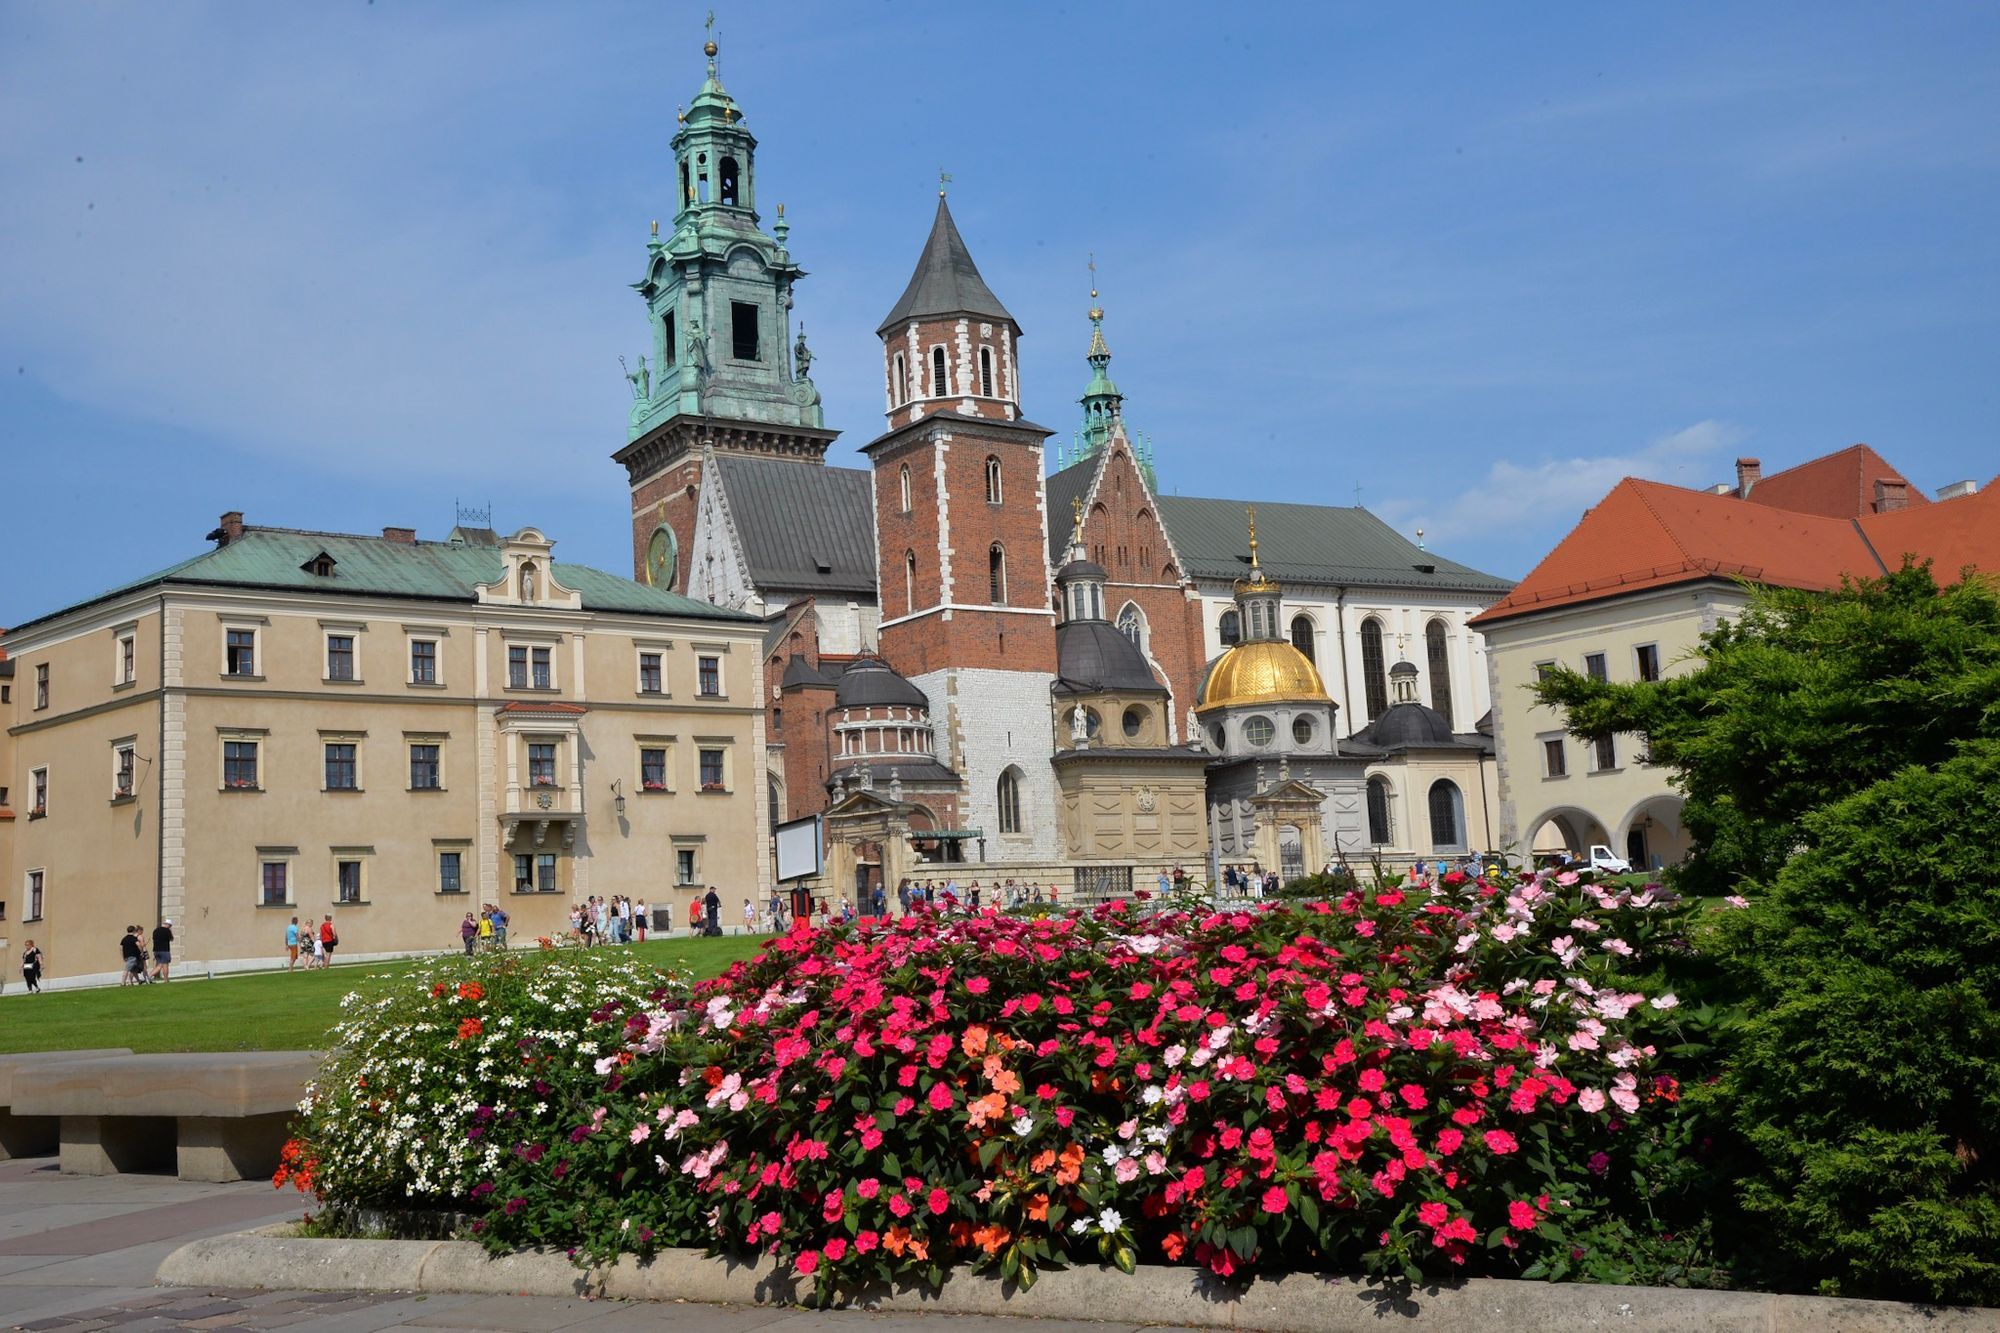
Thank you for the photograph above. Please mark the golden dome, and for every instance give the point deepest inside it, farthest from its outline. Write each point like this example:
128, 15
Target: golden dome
1265, 671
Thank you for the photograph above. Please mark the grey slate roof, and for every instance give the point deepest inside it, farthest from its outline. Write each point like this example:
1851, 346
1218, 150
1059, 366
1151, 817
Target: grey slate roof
1310, 544
1413, 726
868, 682
804, 527
946, 282
1093, 657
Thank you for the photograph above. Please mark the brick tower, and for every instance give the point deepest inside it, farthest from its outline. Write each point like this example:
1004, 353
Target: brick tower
961, 529
725, 371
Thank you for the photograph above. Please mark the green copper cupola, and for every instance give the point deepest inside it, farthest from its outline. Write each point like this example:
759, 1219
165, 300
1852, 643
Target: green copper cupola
1103, 405
714, 155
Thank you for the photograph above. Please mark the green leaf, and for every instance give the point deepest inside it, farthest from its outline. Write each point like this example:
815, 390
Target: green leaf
1126, 1258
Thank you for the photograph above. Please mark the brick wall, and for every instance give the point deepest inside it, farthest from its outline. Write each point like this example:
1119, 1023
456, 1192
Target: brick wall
670, 496
963, 390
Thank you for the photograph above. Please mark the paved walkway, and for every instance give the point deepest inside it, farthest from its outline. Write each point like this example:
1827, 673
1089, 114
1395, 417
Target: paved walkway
78, 1253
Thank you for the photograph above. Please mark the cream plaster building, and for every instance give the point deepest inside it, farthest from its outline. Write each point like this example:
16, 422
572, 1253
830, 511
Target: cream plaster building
387, 730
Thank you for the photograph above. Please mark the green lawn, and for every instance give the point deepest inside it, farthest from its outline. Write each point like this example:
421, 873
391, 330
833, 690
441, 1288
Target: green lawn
256, 1012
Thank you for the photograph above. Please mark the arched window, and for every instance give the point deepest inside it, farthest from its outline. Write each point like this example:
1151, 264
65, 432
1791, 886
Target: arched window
1440, 663
1447, 817
1374, 668
729, 181
902, 385
939, 386
993, 492
701, 177
996, 575
1229, 629
1010, 800
909, 582
1132, 624
986, 372
1302, 636
904, 478
1380, 832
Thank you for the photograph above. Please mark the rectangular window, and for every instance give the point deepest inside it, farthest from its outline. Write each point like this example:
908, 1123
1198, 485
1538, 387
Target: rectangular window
36, 879
342, 772
709, 676
38, 789
424, 768
239, 765
653, 769
1555, 759
684, 866
1649, 661
711, 770
423, 661
128, 658
276, 887
347, 880
1606, 752
41, 685
670, 343
649, 673
1593, 666
517, 667
240, 652
121, 785
545, 873
524, 873
541, 765
743, 330
1543, 670
534, 873
540, 674
340, 657
451, 872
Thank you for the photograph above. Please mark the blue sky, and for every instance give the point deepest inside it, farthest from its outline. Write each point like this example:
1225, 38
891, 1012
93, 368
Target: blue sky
339, 265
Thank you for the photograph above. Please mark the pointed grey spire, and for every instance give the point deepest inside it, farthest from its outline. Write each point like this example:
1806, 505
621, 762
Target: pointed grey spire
946, 282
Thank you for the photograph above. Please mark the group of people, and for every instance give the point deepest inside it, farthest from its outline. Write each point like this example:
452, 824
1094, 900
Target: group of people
613, 920
313, 944
485, 930
133, 949
948, 897
1251, 881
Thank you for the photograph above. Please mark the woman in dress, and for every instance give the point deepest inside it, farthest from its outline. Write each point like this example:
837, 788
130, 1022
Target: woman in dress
31, 967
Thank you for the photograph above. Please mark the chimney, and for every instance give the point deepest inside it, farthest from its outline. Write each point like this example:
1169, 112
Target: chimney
1891, 494
229, 529
407, 536
1956, 489
1749, 471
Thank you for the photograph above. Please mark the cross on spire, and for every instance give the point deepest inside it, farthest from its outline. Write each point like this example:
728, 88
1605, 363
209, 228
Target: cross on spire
944, 179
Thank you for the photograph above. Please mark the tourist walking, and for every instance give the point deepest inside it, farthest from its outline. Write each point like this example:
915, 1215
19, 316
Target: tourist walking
329, 940
712, 902
316, 952
163, 948
468, 932
134, 955
292, 946
31, 967
624, 919
500, 928
694, 917
749, 917
484, 928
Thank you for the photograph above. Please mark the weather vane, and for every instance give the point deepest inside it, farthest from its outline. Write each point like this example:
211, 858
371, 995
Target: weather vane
944, 179
1093, 275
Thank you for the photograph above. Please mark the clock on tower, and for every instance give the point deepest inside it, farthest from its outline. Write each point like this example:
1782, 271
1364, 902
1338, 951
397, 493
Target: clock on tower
660, 563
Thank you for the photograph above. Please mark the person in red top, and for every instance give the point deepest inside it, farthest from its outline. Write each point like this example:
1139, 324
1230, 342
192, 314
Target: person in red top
694, 917
328, 939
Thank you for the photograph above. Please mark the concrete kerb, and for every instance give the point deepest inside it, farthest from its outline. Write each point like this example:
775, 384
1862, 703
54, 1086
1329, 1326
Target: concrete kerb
1297, 1303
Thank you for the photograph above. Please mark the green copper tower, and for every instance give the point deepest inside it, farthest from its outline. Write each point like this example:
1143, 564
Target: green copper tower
718, 289
1103, 405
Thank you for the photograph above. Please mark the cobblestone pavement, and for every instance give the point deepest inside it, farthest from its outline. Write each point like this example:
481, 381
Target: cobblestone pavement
78, 1253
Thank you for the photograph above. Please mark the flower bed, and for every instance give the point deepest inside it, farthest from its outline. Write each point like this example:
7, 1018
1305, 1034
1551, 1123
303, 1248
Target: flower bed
1413, 1084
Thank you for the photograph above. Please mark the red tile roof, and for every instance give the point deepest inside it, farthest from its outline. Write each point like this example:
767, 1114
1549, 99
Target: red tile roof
1840, 485
1646, 534
553, 706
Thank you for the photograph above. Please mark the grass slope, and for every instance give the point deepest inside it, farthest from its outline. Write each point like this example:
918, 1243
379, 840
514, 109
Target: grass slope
257, 1012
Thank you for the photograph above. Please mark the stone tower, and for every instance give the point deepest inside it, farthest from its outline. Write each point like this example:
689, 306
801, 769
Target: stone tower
724, 369
962, 540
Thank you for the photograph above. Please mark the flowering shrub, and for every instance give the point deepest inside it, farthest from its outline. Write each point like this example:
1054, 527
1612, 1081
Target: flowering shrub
1411, 1082
399, 1113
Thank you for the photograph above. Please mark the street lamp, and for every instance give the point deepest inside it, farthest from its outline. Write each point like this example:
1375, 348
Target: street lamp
618, 796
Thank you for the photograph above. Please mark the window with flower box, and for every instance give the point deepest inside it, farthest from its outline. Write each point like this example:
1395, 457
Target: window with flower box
713, 770
541, 764
653, 768
239, 765
124, 760
38, 794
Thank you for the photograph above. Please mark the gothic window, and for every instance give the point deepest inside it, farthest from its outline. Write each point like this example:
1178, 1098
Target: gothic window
904, 477
1440, 663
986, 372
902, 383
996, 575
1374, 668
1380, 833
1132, 624
729, 181
992, 480
1447, 816
670, 351
1010, 800
939, 385
1302, 636
1229, 629
743, 330
909, 581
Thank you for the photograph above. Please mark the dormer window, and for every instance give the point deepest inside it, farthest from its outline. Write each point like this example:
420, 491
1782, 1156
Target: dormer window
320, 565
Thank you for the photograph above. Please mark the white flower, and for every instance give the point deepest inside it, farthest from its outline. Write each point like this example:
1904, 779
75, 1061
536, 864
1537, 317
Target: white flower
1667, 1001
1173, 1055
1110, 1220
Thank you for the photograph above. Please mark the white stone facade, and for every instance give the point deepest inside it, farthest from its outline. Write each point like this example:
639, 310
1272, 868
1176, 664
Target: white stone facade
988, 720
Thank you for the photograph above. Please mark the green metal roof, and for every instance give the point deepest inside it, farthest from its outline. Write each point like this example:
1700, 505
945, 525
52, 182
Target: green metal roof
377, 567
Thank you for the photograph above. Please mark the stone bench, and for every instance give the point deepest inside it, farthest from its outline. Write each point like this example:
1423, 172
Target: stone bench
208, 1116
33, 1135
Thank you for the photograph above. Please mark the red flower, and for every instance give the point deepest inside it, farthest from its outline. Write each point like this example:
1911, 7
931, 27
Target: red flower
1521, 1215
1500, 1141
1275, 1200
939, 1201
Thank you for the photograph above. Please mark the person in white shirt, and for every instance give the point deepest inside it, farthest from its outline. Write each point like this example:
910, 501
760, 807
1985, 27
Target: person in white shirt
641, 918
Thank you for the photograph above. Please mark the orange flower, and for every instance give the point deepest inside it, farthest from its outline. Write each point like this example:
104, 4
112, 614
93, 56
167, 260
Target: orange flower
1006, 1081
991, 1237
1072, 1165
974, 1041
961, 1234
470, 1028
993, 1106
471, 990
919, 1249
1173, 1243
1038, 1208
896, 1240
1044, 1159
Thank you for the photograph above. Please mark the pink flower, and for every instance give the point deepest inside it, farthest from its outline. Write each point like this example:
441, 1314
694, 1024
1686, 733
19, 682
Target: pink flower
939, 1201
1500, 1141
1591, 1100
978, 985
940, 1097
869, 1188
1275, 1200
836, 1249
1432, 1214
806, 1262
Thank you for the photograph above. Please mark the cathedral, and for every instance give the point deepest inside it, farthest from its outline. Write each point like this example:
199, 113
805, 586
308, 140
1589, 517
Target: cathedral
991, 648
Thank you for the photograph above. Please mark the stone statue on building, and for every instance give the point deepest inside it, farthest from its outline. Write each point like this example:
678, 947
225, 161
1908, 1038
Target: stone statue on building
697, 348
1196, 737
642, 379
802, 357
1079, 725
